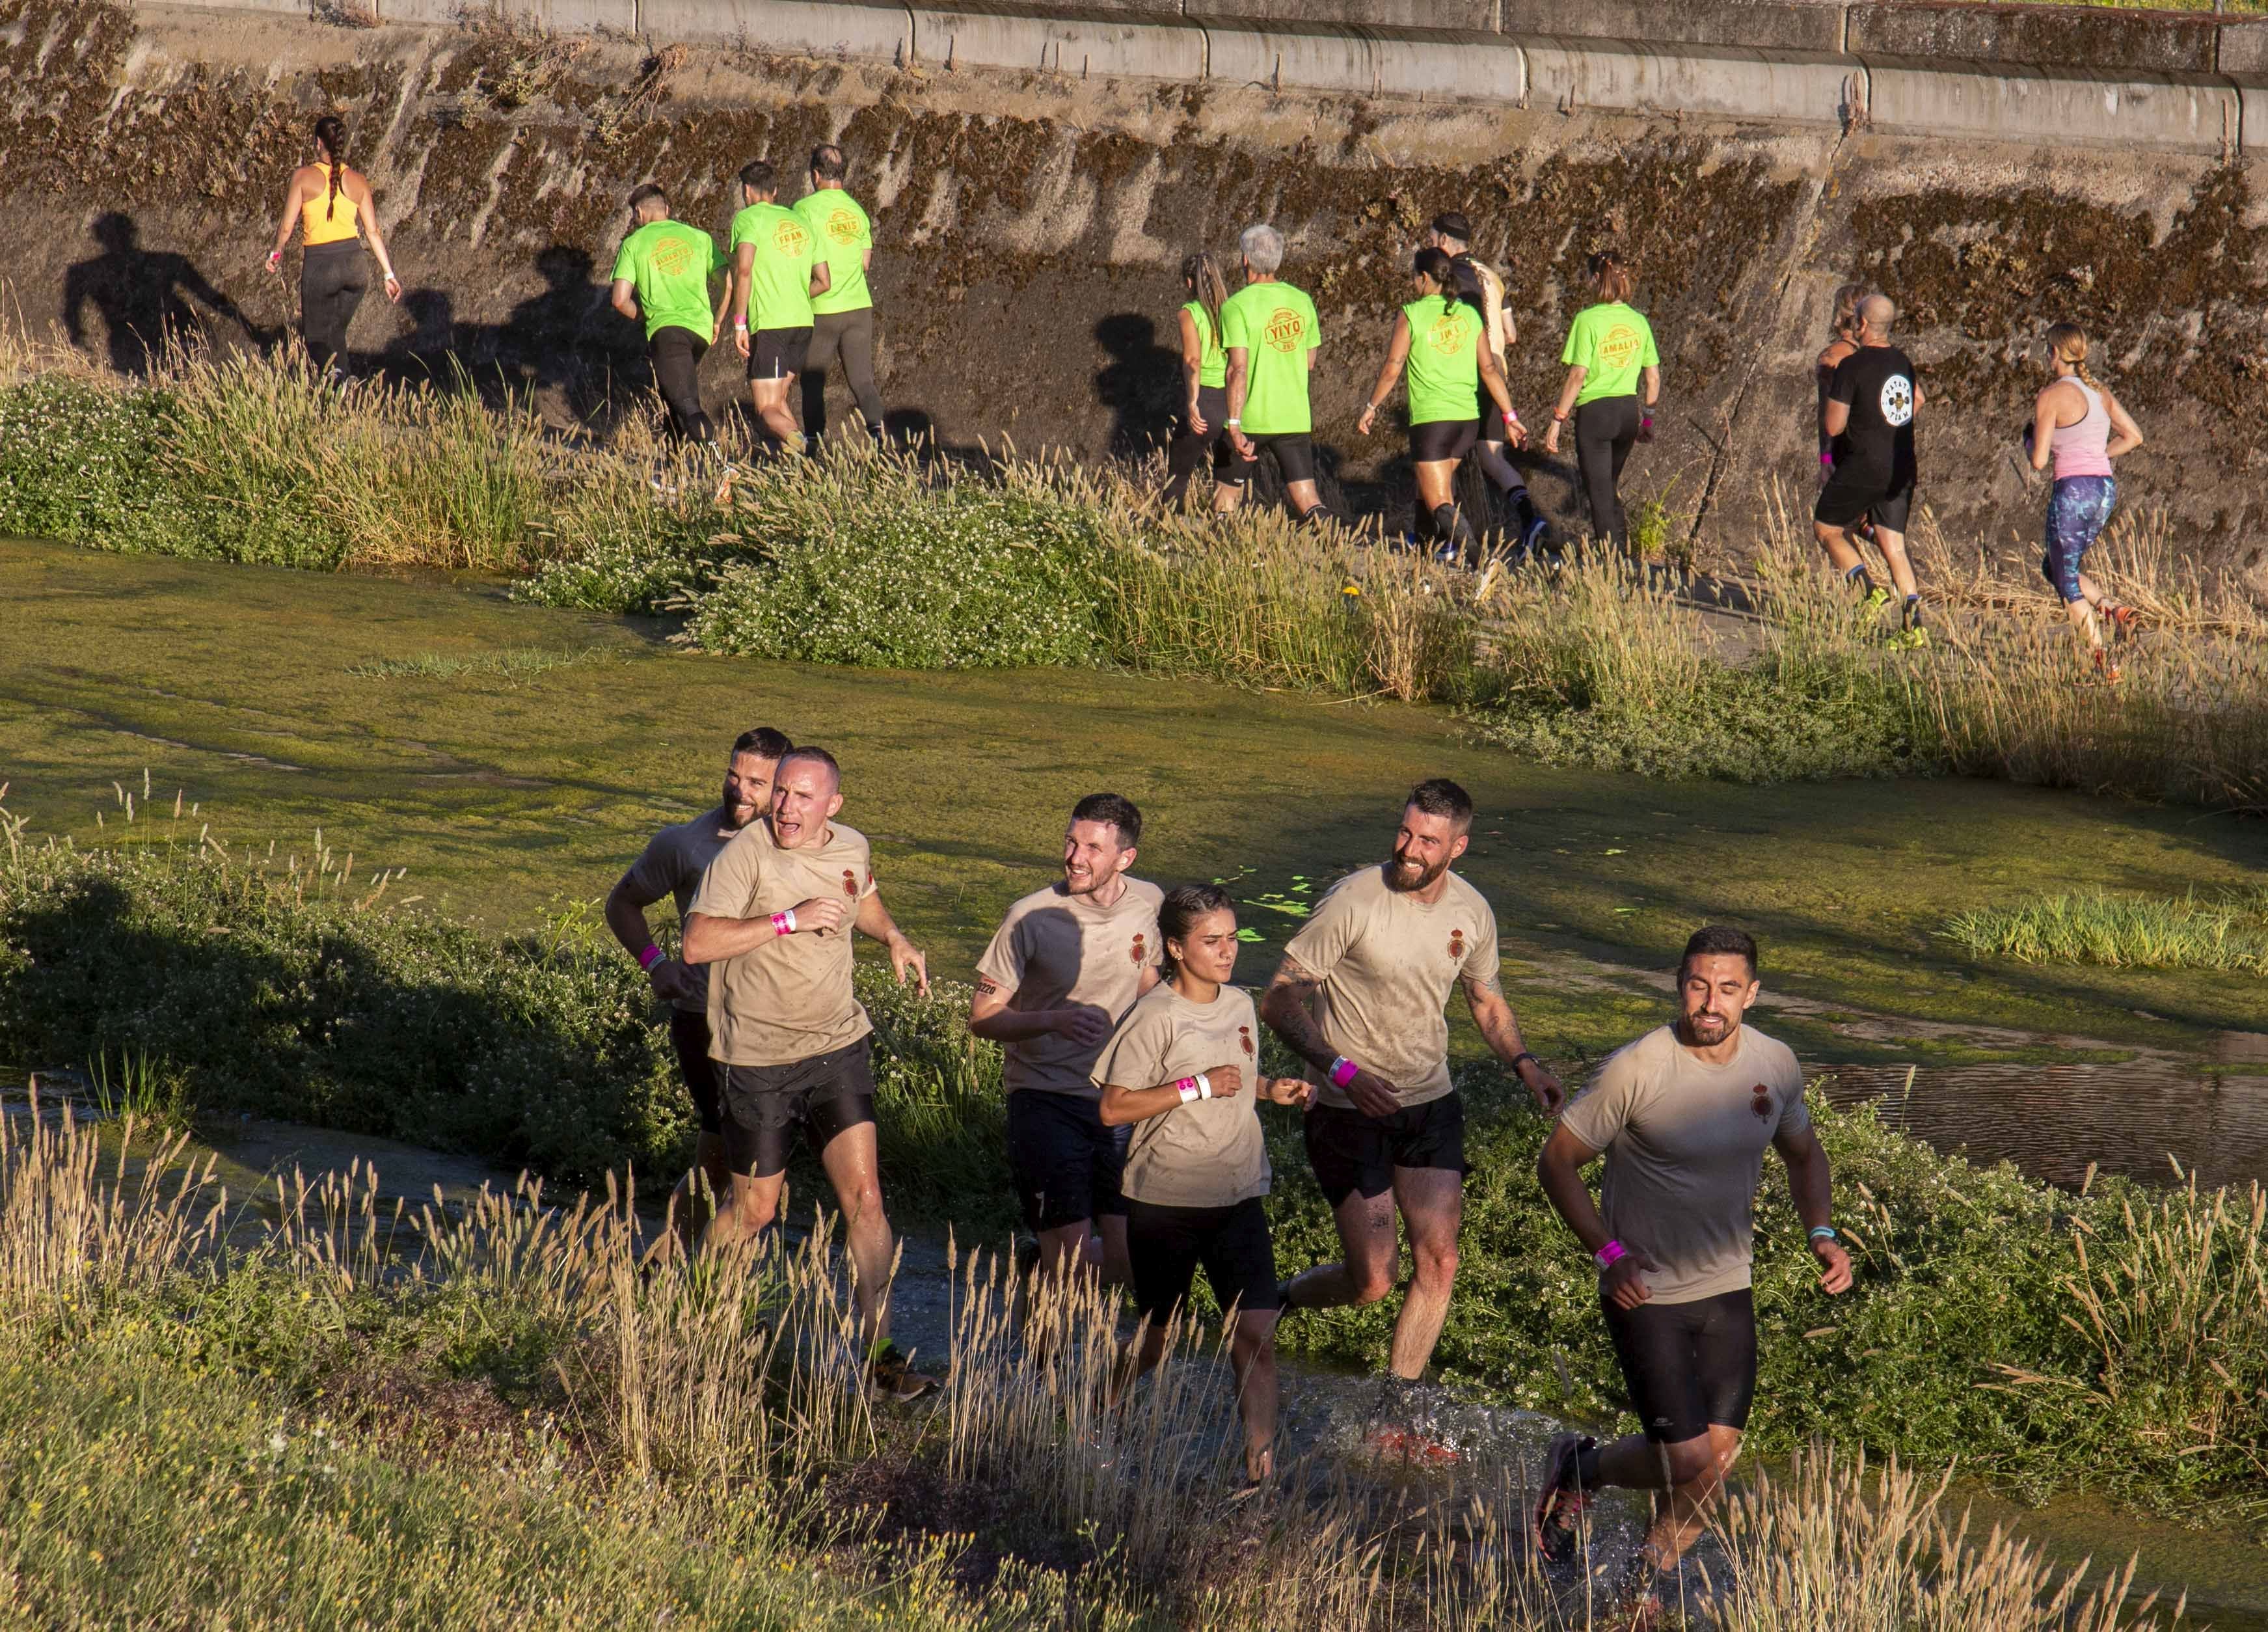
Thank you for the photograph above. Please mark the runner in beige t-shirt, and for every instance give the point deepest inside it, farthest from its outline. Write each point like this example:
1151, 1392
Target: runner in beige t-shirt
1184, 1072
773, 918
1683, 1115
1360, 997
1063, 969
673, 865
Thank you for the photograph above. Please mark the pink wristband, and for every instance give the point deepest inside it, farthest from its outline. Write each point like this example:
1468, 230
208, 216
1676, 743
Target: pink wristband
783, 923
1187, 1087
652, 956
1343, 1071
1611, 1254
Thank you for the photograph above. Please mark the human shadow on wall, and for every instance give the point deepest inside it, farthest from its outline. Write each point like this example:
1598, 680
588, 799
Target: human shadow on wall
142, 297
1141, 386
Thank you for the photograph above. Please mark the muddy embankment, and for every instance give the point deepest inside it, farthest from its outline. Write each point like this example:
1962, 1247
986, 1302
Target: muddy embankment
1030, 228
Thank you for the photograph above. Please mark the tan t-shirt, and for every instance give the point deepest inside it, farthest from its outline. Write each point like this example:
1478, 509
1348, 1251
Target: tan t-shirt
789, 998
1209, 1153
672, 865
1055, 949
1685, 1149
1388, 963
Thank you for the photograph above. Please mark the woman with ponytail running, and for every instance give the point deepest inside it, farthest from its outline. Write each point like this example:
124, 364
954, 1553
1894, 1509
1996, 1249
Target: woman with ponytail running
2080, 425
332, 205
1844, 325
1610, 357
1204, 375
1442, 337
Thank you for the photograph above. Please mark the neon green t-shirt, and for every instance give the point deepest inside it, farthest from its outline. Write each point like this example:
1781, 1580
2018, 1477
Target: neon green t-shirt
1612, 343
779, 274
670, 264
1445, 365
1212, 362
1276, 326
845, 234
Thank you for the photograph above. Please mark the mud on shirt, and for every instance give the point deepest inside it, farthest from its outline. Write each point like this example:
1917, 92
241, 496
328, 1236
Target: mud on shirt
1056, 950
1388, 964
789, 998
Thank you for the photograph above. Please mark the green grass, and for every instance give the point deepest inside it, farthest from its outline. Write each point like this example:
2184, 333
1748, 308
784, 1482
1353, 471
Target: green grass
2122, 932
514, 662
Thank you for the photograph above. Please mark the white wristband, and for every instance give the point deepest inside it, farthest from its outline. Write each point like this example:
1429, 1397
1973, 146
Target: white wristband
1204, 1086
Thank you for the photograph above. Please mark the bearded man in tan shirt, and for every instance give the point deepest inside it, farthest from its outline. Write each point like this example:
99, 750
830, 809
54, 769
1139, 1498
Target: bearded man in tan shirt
1360, 997
773, 918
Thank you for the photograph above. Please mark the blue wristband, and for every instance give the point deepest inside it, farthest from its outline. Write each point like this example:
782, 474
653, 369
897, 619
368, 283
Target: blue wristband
1825, 1230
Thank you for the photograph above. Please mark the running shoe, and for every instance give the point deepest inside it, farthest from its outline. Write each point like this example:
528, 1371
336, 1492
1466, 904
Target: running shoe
2106, 672
1559, 1511
891, 1374
1914, 639
2126, 622
1532, 540
1876, 599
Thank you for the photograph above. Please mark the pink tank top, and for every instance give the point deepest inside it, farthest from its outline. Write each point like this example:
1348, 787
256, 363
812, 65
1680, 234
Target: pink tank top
2080, 449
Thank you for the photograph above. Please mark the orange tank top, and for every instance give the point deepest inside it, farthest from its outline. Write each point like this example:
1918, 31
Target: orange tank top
329, 218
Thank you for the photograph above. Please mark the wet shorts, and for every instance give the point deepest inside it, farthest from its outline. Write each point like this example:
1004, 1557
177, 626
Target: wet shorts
1164, 1245
1355, 1155
777, 353
1295, 457
705, 1078
1064, 1163
1850, 494
1438, 439
2078, 510
825, 1094
1687, 1365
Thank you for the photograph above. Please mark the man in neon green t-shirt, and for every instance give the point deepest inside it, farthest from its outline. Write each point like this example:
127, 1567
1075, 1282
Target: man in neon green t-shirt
1270, 333
776, 271
661, 279
843, 323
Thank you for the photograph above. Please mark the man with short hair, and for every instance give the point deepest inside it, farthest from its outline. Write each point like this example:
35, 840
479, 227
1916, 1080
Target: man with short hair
773, 916
661, 279
1682, 1115
672, 865
1063, 969
1870, 404
777, 270
843, 320
1360, 997
1271, 334
1452, 233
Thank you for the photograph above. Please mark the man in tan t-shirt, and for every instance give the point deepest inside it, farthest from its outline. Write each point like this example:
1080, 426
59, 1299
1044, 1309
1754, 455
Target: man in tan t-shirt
672, 865
1683, 1115
1360, 997
773, 918
1063, 969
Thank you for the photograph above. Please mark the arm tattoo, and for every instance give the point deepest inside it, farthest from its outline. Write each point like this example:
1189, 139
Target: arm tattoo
1287, 998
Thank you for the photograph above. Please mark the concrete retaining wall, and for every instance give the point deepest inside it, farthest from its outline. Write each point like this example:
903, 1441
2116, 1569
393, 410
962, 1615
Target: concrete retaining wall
796, 27
1119, 47
2188, 114
1797, 87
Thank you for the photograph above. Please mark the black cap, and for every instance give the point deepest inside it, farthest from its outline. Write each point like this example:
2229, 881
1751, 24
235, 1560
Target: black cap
1452, 224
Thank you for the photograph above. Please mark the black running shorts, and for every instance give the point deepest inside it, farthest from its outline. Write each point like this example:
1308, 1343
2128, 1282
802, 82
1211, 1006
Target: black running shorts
1166, 1244
1846, 498
777, 353
1355, 1155
1295, 457
1066, 1162
825, 1094
1687, 1365
705, 1078
1438, 439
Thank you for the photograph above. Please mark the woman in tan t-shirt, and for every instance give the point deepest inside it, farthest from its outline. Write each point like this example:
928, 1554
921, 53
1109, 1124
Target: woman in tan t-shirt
1185, 1069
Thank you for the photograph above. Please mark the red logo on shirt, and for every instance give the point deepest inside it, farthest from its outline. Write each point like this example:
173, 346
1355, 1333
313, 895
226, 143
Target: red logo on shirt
850, 883
1284, 330
1761, 1105
1244, 1036
789, 238
1140, 952
1457, 943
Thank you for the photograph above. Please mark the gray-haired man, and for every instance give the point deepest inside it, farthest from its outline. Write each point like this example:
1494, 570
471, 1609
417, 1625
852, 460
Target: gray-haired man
1270, 333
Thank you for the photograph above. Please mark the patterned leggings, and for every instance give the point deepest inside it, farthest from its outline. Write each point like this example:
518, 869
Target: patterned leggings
2077, 513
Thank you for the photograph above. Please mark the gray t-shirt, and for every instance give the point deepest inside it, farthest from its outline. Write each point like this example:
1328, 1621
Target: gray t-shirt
1209, 1153
1685, 1149
1055, 949
1388, 963
672, 865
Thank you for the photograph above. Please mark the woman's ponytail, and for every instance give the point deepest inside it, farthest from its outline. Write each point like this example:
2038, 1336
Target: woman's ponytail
1202, 273
1612, 277
332, 136
2068, 342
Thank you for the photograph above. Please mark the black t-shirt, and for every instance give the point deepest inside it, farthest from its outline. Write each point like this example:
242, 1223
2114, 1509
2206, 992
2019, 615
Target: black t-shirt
1877, 383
